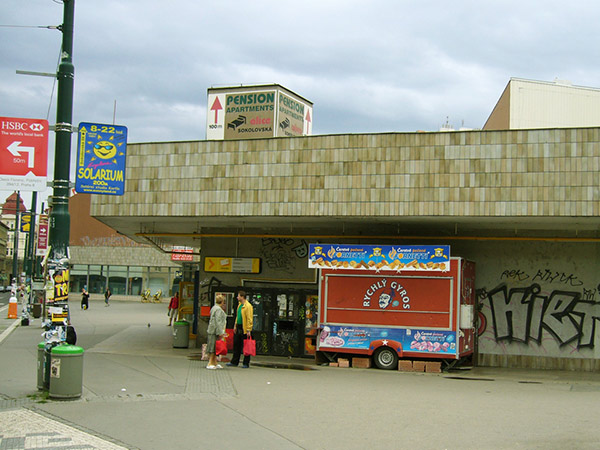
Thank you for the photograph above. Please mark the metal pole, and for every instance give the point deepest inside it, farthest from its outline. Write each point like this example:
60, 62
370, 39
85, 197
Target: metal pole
32, 243
59, 220
16, 240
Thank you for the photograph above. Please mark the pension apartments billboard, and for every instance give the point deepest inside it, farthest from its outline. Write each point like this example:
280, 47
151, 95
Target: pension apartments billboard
254, 112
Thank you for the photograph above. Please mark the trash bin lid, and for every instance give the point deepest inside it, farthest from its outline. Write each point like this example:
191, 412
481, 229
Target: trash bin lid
41, 345
182, 323
66, 350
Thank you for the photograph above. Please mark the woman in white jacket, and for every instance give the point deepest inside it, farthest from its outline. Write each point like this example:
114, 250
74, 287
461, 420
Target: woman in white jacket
216, 330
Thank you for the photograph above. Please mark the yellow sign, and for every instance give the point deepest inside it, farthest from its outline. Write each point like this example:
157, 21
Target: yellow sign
61, 285
25, 223
235, 265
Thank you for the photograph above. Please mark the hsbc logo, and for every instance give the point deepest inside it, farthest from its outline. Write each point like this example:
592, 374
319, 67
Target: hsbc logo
22, 126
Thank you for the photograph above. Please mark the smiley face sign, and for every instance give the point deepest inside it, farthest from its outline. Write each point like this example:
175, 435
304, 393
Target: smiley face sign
101, 159
105, 150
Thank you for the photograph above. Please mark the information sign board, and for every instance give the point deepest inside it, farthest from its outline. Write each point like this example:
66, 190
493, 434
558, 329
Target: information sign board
101, 154
23, 154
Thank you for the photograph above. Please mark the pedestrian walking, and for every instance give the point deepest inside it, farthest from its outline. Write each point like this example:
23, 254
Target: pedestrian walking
242, 330
173, 308
107, 295
85, 299
216, 330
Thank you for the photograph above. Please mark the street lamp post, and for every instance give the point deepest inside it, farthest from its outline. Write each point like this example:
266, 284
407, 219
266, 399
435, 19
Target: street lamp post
59, 220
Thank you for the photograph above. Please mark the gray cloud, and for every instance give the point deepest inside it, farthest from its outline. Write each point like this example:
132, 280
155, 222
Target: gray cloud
367, 66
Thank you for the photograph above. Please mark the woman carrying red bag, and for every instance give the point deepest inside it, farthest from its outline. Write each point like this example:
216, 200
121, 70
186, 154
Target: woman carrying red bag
216, 330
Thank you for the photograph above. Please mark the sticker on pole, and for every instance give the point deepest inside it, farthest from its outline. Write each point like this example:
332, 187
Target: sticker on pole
101, 153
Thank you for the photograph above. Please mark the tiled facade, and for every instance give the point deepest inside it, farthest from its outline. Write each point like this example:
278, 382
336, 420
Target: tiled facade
544, 178
477, 173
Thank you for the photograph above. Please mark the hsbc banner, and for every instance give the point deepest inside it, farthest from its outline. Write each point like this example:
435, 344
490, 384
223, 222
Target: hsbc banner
23, 154
101, 154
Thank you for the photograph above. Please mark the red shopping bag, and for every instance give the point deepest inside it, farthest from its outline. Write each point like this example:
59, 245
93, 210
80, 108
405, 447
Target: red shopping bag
249, 347
220, 347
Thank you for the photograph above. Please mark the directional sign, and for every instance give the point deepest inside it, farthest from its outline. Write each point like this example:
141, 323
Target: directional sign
215, 119
101, 154
23, 154
235, 265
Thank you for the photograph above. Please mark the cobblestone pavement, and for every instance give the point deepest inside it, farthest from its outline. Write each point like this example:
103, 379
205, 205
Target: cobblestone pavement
25, 429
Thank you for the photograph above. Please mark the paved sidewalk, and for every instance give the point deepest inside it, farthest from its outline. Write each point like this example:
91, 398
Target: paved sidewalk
141, 393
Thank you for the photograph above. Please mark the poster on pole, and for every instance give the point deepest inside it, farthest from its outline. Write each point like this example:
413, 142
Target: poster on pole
101, 154
42, 242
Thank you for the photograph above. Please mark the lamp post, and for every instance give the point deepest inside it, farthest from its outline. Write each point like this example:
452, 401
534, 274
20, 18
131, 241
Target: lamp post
59, 220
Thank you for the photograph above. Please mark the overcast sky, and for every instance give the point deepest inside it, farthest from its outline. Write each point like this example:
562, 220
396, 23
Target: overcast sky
368, 66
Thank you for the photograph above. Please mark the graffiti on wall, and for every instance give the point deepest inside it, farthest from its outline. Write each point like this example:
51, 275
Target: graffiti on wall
521, 314
282, 253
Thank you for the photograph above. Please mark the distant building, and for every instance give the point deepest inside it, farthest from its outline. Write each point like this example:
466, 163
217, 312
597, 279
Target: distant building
257, 111
527, 104
7, 217
101, 258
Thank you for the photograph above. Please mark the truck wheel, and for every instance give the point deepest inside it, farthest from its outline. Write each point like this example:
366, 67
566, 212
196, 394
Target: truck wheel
386, 358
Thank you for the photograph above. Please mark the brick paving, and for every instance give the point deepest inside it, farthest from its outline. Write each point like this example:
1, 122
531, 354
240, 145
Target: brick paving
25, 429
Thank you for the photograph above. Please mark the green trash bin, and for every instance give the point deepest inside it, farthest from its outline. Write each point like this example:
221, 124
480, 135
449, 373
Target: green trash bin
66, 371
181, 334
40, 366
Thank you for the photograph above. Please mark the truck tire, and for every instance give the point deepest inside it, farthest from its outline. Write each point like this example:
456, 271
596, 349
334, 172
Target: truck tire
385, 358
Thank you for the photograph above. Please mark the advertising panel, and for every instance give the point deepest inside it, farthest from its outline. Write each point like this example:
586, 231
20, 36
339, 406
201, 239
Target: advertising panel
291, 116
101, 159
25, 223
42, 244
379, 257
257, 111
412, 340
181, 253
249, 115
23, 154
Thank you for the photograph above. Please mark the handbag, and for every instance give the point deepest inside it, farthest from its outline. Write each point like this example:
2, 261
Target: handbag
220, 347
249, 347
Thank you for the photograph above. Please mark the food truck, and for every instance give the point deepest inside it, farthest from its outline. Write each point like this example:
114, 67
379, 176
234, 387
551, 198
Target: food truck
394, 302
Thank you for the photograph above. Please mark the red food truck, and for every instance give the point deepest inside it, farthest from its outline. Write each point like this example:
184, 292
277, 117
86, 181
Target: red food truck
391, 302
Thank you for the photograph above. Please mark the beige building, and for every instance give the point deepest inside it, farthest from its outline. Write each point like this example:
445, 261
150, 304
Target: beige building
541, 104
523, 204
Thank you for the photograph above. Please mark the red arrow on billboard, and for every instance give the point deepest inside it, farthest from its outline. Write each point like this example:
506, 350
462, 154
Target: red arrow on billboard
23, 147
216, 107
307, 120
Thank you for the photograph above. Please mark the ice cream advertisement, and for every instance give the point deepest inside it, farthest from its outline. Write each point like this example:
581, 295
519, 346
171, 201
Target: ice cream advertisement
411, 340
379, 257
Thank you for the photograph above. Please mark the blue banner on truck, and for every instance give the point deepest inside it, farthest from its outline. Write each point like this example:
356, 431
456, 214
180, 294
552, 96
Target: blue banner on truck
410, 340
379, 257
